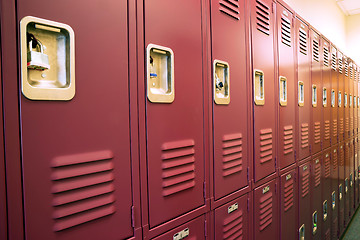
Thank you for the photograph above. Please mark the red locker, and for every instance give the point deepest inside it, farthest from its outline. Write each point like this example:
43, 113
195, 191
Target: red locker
357, 85
304, 195
351, 98
230, 118
232, 219
316, 203
262, 33
346, 97
355, 101
266, 211
303, 111
341, 90
77, 177
347, 151
194, 229
326, 90
174, 109
334, 96
287, 86
334, 192
3, 197
316, 93
341, 159
356, 173
351, 178
288, 205
326, 199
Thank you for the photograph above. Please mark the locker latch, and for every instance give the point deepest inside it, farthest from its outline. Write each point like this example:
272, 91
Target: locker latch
351, 180
333, 98
351, 99
314, 95
345, 99
302, 232
324, 97
283, 91
339, 99
314, 222
259, 87
182, 234
221, 76
325, 210
340, 192
333, 200
346, 185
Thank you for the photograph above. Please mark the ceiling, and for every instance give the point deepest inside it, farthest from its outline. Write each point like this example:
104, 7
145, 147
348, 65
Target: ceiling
349, 7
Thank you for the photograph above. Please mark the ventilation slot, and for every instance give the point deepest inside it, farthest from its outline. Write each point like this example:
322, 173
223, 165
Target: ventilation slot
317, 132
303, 41
317, 173
288, 139
327, 130
335, 227
341, 128
230, 7
233, 226
335, 162
351, 72
82, 188
266, 145
333, 61
316, 50
305, 183
346, 68
178, 166
266, 210
347, 124
304, 135
341, 160
262, 17
340, 62
285, 31
327, 166
326, 56
335, 128
232, 154
288, 194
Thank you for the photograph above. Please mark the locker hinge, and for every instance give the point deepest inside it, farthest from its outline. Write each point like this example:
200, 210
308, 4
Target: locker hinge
275, 163
205, 229
247, 173
204, 190
248, 208
275, 187
295, 154
133, 216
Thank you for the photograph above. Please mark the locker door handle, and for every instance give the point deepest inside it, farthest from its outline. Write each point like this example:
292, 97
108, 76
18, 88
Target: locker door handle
221, 82
345, 100
333, 200
259, 87
333, 100
314, 222
302, 232
301, 94
160, 74
325, 210
314, 95
339, 99
283, 91
324, 97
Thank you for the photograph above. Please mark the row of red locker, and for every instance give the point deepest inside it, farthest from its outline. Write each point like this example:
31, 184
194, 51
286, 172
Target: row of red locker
258, 91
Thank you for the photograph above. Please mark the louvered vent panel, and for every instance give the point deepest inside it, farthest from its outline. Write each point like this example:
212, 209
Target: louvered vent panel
317, 132
266, 145
263, 17
341, 128
82, 188
326, 56
304, 135
266, 210
334, 227
327, 130
288, 139
351, 71
303, 41
230, 8
333, 61
305, 183
233, 226
341, 160
232, 154
327, 165
335, 161
328, 235
317, 172
340, 62
178, 166
346, 66
286, 31
316, 50
347, 124
335, 128
288, 194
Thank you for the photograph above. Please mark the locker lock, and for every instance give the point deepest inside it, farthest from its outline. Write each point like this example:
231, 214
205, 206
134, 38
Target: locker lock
219, 84
37, 60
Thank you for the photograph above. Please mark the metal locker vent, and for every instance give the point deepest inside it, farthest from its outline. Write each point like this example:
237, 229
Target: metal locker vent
316, 50
82, 188
327, 165
263, 17
233, 226
340, 62
317, 132
351, 71
303, 41
327, 130
326, 56
230, 7
288, 139
346, 123
232, 154
266, 145
304, 135
335, 161
341, 160
178, 166
346, 65
341, 129
333, 61
288, 194
305, 182
286, 31
266, 210
317, 172
335, 128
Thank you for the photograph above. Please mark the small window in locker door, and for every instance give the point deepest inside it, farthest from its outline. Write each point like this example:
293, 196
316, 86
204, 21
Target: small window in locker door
301, 96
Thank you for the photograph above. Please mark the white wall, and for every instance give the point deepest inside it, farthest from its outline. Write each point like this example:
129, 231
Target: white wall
353, 37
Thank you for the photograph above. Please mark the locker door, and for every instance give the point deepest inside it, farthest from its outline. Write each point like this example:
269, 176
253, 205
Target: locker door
334, 192
304, 194
231, 220
3, 205
351, 98
334, 96
347, 149
194, 229
266, 211
351, 178
341, 187
326, 194
174, 129
316, 203
316, 93
340, 103
357, 85
303, 89
356, 172
288, 205
229, 118
76, 153
355, 103
346, 97
326, 91
287, 86
262, 32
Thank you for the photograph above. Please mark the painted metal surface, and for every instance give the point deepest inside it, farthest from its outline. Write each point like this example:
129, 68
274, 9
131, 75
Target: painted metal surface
288, 205
341, 92
334, 191
263, 56
346, 97
351, 178
266, 211
232, 220
315, 188
325, 62
230, 122
326, 191
304, 211
351, 98
347, 148
334, 96
341, 187
303, 76
175, 131
76, 154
